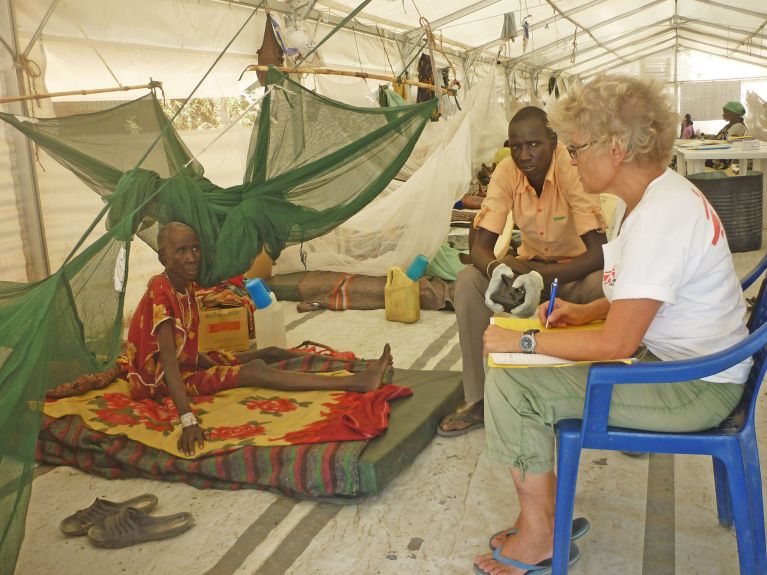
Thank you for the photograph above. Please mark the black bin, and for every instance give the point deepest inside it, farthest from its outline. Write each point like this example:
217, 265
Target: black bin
738, 201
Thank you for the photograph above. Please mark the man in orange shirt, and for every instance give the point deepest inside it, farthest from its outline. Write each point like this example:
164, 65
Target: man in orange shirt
562, 236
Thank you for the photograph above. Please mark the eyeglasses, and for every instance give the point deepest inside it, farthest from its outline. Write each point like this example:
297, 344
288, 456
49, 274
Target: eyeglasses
573, 150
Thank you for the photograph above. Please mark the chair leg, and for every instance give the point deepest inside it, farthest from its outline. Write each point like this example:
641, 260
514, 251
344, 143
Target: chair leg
741, 514
753, 473
568, 459
723, 507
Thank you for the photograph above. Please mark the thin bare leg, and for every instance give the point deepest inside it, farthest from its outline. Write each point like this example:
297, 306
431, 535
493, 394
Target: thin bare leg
257, 374
268, 355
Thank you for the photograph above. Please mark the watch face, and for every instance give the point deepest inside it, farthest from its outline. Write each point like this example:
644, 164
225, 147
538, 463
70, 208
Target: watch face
527, 343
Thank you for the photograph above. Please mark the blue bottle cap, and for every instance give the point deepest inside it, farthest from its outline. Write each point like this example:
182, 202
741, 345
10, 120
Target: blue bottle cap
259, 293
416, 269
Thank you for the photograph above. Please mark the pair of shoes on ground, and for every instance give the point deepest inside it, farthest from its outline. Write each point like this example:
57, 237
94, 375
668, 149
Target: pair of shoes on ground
119, 524
464, 421
580, 527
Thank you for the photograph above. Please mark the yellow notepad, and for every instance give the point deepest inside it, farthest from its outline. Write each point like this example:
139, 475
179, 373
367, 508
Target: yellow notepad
518, 360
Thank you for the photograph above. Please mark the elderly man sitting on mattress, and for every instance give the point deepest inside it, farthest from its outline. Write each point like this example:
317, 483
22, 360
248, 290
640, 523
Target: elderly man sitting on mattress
163, 354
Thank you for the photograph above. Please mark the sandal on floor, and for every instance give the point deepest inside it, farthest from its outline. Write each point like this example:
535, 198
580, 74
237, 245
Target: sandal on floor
469, 417
542, 568
131, 526
80, 521
581, 526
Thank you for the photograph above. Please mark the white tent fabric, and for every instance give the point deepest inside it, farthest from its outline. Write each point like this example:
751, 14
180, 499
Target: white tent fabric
757, 116
413, 217
13, 262
99, 43
352, 91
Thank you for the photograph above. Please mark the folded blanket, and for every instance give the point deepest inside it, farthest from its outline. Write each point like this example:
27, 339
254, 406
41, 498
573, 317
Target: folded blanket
339, 291
310, 470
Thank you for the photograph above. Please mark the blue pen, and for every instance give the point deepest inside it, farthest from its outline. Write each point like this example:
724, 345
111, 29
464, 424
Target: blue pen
554, 285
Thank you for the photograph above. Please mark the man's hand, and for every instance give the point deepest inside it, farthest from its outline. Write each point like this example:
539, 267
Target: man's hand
189, 436
532, 283
495, 282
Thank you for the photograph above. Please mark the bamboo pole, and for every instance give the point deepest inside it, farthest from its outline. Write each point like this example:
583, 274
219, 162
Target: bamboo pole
365, 75
150, 85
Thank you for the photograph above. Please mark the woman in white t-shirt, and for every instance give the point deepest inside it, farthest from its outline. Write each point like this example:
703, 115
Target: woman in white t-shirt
670, 293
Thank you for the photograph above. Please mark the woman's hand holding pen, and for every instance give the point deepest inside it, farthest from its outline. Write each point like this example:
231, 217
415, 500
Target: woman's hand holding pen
564, 313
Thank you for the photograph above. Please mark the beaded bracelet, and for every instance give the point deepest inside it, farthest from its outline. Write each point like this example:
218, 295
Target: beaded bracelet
188, 419
487, 269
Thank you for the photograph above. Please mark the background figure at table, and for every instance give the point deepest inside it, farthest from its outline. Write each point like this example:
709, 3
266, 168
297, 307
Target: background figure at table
687, 132
669, 263
733, 113
562, 231
163, 346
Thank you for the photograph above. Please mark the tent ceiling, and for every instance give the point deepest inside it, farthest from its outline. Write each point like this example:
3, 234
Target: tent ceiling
580, 37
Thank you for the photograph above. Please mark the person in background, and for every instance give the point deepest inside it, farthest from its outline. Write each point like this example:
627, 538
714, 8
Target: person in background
733, 113
669, 261
562, 231
687, 132
163, 353
502, 153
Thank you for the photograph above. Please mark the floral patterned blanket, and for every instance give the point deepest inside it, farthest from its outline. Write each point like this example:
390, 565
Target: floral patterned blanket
238, 417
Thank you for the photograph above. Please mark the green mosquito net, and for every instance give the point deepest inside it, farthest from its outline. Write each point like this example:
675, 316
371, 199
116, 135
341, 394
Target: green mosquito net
312, 164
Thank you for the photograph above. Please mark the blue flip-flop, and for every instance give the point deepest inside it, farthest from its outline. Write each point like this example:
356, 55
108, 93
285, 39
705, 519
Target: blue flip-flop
581, 526
542, 568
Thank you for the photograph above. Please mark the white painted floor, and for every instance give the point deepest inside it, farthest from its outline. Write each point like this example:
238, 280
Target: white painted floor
652, 514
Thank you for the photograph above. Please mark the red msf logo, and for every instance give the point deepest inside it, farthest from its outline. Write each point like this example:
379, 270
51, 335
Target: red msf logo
608, 278
712, 217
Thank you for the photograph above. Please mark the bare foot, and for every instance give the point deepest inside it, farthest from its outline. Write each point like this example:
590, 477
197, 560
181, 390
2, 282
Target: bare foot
500, 538
526, 549
372, 378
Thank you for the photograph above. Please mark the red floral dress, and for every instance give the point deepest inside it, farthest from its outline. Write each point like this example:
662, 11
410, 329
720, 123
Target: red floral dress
146, 374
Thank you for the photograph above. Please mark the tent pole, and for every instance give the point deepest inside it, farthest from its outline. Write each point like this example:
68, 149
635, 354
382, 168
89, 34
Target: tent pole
148, 86
676, 57
676, 76
25, 182
365, 75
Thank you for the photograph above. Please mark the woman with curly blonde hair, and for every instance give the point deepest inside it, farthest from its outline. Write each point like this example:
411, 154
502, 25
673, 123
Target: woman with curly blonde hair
670, 293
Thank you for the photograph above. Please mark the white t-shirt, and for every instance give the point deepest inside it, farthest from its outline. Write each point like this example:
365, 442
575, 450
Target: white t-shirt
672, 248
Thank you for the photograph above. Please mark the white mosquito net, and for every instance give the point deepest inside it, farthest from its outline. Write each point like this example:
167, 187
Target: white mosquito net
412, 217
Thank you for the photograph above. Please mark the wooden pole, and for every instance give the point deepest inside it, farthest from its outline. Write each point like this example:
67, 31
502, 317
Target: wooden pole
365, 75
150, 85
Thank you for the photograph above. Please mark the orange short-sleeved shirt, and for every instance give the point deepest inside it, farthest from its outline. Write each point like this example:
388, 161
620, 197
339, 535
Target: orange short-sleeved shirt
551, 225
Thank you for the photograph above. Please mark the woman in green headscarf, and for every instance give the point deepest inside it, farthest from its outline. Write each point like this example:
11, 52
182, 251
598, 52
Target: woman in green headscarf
733, 113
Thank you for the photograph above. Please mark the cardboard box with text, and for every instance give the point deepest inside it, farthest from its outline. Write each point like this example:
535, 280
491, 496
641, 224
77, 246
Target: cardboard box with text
224, 328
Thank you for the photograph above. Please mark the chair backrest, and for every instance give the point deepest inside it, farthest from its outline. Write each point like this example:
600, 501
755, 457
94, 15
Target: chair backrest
755, 377
754, 274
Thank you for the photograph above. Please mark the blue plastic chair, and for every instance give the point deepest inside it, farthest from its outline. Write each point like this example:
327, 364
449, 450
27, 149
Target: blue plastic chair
754, 274
732, 445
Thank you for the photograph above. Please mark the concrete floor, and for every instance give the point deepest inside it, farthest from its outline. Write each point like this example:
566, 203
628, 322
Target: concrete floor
654, 514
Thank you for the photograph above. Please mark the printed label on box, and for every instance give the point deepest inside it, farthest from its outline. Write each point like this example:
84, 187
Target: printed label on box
225, 329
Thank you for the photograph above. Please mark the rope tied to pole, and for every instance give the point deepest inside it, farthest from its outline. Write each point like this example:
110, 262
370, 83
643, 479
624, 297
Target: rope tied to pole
31, 71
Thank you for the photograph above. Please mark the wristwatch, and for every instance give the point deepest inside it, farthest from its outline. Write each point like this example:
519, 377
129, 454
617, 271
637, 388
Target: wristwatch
527, 342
